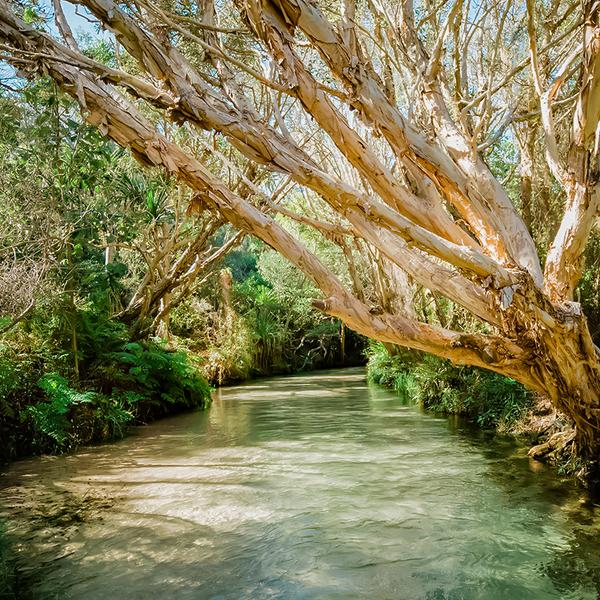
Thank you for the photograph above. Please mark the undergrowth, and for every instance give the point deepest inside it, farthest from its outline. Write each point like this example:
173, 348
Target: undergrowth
491, 400
44, 408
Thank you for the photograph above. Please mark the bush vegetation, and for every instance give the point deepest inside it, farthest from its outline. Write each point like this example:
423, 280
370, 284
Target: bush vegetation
490, 400
99, 329
124, 298
44, 410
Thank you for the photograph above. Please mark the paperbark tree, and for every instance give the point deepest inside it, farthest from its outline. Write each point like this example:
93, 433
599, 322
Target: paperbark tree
178, 253
175, 262
386, 113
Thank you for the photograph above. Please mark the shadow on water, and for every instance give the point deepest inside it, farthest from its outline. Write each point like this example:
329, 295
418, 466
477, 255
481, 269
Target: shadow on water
313, 486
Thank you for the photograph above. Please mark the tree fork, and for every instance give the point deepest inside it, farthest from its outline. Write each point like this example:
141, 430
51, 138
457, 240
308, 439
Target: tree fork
537, 335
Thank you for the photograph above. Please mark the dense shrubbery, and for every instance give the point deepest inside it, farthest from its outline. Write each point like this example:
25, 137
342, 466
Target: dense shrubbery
492, 401
89, 248
41, 410
54, 397
259, 321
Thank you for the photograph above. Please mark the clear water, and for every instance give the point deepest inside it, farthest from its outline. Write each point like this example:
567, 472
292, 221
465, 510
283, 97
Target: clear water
314, 486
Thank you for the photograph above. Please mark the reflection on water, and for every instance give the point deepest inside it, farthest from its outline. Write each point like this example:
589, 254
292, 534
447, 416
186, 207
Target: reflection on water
314, 486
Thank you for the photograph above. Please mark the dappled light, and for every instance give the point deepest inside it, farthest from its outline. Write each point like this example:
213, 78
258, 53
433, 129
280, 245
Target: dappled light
291, 493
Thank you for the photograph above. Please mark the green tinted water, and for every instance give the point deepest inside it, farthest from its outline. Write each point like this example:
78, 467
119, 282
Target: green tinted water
314, 486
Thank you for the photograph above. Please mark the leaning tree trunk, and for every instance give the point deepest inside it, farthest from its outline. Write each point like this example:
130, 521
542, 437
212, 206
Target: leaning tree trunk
565, 367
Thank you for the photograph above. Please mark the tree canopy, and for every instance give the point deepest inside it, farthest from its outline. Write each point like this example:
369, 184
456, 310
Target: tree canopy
455, 144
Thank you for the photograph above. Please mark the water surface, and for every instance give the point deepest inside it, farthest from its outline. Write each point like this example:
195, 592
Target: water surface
306, 487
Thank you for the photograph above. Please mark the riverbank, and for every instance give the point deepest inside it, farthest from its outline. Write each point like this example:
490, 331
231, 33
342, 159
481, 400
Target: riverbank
490, 401
43, 412
61, 417
47, 406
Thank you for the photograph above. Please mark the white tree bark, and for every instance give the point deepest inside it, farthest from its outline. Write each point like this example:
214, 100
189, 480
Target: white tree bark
409, 181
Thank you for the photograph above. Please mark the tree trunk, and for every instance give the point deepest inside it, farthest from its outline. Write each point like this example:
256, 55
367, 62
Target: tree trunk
418, 194
573, 377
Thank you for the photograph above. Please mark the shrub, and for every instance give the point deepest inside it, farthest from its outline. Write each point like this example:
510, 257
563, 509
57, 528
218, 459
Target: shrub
9, 382
70, 417
19, 374
140, 383
51, 418
230, 355
392, 371
160, 375
489, 399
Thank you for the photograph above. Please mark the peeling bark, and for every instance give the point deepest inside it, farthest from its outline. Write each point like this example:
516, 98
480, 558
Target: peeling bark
424, 202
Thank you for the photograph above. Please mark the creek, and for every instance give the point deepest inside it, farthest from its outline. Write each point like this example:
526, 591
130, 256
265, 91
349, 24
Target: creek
315, 486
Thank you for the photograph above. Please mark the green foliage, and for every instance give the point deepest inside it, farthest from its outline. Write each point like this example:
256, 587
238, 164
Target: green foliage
287, 334
491, 400
19, 374
149, 195
267, 316
9, 379
75, 370
112, 414
65, 192
160, 375
51, 417
229, 357
266, 325
70, 417
100, 50
588, 290
392, 371
241, 263
31, 17
139, 382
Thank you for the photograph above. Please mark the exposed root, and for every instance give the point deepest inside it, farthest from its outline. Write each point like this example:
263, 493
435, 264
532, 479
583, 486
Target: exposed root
560, 449
556, 448
540, 421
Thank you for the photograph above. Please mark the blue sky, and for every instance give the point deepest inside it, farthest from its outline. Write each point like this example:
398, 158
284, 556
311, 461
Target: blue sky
79, 24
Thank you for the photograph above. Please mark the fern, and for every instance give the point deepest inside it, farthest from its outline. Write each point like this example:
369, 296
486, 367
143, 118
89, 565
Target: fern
163, 375
51, 418
61, 417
